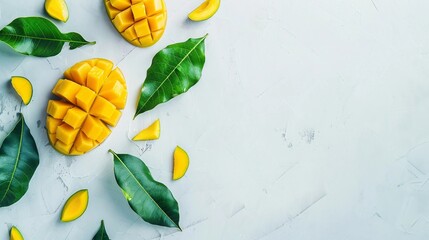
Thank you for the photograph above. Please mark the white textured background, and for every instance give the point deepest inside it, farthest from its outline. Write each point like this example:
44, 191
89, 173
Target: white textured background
310, 122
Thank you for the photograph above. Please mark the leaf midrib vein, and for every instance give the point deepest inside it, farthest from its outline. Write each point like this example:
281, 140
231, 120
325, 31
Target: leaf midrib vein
144, 189
16, 161
39, 38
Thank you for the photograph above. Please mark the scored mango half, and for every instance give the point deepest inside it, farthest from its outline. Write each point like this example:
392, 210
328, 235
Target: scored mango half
140, 22
91, 96
75, 206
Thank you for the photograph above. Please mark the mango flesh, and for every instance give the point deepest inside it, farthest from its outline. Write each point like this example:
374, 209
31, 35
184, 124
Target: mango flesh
57, 9
140, 22
75, 206
90, 99
150, 133
23, 88
180, 163
205, 11
15, 234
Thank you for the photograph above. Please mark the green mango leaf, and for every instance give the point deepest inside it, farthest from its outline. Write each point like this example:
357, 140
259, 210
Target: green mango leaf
101, 234
150, 199
37, 36
174, 70
19, 159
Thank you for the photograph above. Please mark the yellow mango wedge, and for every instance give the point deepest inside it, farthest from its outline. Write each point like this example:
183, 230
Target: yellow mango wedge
15, 234
23, 88
57, 9
180, 163
75, 206
150, 133
205, 11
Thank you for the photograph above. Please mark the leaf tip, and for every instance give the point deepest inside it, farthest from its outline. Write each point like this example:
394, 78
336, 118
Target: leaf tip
135, 115
112, 152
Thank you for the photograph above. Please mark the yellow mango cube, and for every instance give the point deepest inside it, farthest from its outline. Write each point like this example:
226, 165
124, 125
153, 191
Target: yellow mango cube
129, 33
58, 109
112, 90
153, 7
79, 72
66, 134
75, 152
84, 98
116, 74
95, 79
67, 89
54, 90
146, 40
157, 35
142, 28
113, 119
120, 4
52, 124
121, 100
92, 127
135, 42
104, 134
75, 117
92, 61
67, 74
111, 11
106, 65
62, 147
123, 20
157, 22
102, 108
139, 11
83, 143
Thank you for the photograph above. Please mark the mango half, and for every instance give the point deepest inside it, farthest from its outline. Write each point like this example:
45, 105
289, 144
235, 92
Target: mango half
140, 22
90, 98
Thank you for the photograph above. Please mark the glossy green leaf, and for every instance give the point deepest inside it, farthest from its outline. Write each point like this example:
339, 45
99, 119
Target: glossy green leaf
150, 199
101, 234
38, 37
19, 159
174, 70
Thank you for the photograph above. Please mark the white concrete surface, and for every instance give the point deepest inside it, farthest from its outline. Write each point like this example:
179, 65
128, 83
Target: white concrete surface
310, 122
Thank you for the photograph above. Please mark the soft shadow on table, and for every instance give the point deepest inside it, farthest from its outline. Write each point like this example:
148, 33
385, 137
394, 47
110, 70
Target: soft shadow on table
9, 59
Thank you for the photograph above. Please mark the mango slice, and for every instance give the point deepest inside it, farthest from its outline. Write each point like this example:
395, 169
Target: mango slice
180, 163
15, 234
57, 9
150, 133
205, 11
23, 88
140, 22
91, 96
75, 206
